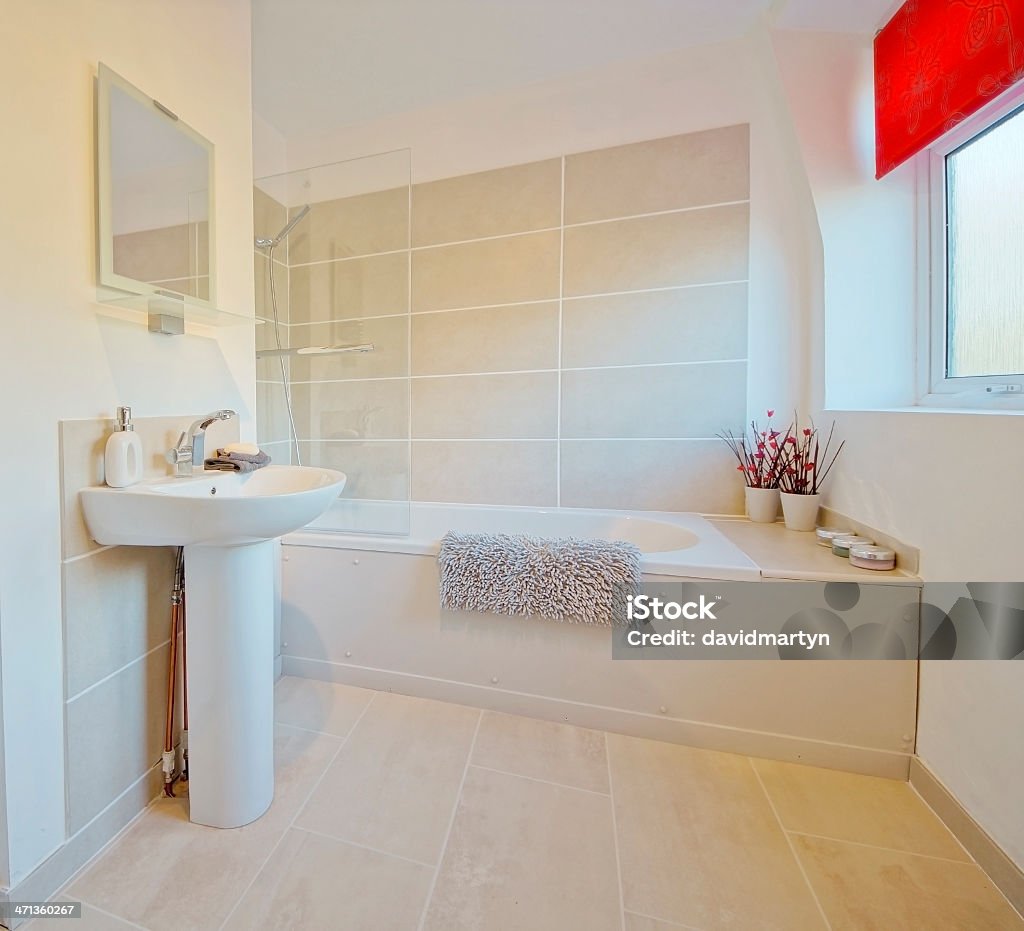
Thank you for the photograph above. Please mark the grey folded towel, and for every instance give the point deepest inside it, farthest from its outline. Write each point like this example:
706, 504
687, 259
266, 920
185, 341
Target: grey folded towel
237, 462
568, 579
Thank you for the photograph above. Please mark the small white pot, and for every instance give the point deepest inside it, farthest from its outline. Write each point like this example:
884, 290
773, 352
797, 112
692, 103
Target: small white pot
762, 504
800, 511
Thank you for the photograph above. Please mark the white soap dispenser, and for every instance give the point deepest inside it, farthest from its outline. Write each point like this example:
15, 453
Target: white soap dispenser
122, 459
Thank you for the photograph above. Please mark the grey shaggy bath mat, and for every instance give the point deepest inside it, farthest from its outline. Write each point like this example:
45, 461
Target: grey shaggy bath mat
580, 581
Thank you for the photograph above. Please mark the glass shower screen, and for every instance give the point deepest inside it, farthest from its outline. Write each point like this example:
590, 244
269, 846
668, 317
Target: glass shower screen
338, 354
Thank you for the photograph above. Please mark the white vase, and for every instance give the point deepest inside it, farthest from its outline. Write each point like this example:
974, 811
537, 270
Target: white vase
762, 504
800, 511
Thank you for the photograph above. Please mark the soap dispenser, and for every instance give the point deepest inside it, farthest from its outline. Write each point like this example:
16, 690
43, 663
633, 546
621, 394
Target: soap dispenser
122, 459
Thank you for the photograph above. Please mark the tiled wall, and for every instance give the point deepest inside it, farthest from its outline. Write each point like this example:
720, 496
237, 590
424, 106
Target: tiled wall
117, 613
577, 330
175, 258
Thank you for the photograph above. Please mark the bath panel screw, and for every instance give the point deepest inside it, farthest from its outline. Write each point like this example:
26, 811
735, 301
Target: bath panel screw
355, 562
348, 652
494, 680
663, 710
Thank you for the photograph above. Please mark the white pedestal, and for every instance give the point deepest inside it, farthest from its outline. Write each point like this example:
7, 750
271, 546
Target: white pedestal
229, 598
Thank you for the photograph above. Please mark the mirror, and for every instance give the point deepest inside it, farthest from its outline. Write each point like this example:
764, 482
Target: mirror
155, 197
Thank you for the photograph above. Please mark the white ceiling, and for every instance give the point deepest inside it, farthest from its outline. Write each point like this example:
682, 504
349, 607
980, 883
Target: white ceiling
323, 64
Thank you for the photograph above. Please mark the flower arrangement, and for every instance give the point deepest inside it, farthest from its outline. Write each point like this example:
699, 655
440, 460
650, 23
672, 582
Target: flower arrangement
760, 454
792, 460
804, 463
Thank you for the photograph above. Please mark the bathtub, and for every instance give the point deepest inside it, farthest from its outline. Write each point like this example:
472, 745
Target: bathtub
363, 609
672, 544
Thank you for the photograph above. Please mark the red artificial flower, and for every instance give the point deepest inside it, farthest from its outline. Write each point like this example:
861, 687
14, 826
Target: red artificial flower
771, 413
807, 431
808, 466
791, 439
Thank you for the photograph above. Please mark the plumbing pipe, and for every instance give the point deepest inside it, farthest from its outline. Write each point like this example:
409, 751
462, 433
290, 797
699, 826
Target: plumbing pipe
169, 755
184, 685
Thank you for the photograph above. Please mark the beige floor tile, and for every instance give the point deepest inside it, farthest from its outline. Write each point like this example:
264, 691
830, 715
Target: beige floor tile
572, 756
698, 841
315, 883
328, 707
527, 855
868, 889
646, 923
848, 806
169, 873
395, 783
92, 920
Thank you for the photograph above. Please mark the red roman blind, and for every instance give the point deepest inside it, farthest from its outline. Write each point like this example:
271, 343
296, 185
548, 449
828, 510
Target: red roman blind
936, 63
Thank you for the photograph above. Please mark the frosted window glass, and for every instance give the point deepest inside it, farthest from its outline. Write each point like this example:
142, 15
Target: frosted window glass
985, 253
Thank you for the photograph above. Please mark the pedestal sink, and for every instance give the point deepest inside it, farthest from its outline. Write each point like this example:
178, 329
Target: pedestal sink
227, 523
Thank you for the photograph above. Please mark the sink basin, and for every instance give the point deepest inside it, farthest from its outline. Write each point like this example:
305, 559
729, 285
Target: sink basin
214, 508
226, 523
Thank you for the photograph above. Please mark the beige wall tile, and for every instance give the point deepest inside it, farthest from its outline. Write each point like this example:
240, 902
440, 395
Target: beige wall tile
867, 889
678, 325
116, 609
271, 413
389, 337
721, 859
492, 271
368, 287
402, 809
526, 854
694, 247
521, 406
656, 475
316, 882
268, 215
261, 275
82, 444
360, 225
488, 203
521, 473
141, 876
851, 807
373, 470
327, 707
352, 410
154, 255
571, 756
114, 734
710, 167
488, 339
658, 401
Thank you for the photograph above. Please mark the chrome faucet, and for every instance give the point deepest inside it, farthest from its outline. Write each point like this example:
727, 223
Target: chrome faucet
190, 451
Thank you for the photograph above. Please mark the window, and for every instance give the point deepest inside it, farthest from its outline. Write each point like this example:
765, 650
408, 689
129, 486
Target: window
977, 321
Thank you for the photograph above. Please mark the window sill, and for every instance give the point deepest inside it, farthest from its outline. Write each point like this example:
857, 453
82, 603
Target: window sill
938, 407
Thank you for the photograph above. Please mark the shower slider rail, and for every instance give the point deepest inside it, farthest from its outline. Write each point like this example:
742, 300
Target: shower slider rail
313, 351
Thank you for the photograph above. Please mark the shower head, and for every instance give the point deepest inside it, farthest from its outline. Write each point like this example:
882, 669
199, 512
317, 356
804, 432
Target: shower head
288, 227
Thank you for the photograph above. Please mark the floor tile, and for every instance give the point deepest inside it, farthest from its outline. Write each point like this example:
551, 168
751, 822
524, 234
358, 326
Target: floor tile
92, 920
527, 855
646, 923
315, 883
328, 707
848, 806
166, 872
869, 889
394, 785
699, 843
572, 756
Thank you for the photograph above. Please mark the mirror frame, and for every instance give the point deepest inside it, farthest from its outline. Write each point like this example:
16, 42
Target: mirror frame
107, 79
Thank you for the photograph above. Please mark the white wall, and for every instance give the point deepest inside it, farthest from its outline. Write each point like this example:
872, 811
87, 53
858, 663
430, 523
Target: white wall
58, 359
942, 481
